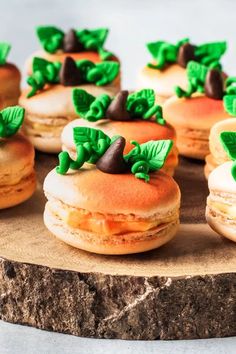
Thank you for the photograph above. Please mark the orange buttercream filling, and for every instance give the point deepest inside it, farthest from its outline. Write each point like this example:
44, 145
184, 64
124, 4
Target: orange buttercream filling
101, 223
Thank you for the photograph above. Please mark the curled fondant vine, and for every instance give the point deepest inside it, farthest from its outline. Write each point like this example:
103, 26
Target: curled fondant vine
122, 107
70, 73
53, 39
204, 80
165, 53
95, 147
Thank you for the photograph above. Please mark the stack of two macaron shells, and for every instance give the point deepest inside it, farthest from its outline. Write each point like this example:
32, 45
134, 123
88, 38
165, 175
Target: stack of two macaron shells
191, 116
221, 202
114, 213
17, 174
50, 110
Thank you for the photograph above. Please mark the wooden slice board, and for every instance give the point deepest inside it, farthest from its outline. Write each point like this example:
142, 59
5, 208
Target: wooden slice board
186, 289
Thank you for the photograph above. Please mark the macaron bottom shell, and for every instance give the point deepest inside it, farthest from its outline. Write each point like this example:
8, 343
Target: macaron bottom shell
192, 146
221, 226
11, 195
116, 244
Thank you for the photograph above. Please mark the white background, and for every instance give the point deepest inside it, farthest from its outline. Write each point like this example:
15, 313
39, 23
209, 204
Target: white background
132, 23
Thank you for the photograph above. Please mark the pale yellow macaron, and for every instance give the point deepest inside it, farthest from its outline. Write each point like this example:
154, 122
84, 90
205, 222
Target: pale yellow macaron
162, 81
50, 108
80, 44
217, 154
221, 203
169, 61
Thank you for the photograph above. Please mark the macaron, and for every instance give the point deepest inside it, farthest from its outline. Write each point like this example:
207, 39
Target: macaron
17, 175
48, 103
221, 203
218, 155
168, 67
10, 78
80, 44
118, 118
116, 203
194, 111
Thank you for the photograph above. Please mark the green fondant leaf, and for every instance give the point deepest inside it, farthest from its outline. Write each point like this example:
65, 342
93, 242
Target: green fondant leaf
164, 53
81, 101
49, 70
11, 119
154, 48
104, 54
147, 94
138, 103
228, 141
90, 143
230, 104
84, 135
4, 51
103, 73
50, 37
196, 71
92, 39
209, 52
153, 152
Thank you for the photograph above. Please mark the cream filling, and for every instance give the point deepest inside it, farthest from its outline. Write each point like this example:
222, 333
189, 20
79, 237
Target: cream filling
11, 178
227, 210
107, 224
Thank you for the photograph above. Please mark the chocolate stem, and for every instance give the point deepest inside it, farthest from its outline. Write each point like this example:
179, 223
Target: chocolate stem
113, 161
185, 54
214, 85
69, 74
71, 43
117, 109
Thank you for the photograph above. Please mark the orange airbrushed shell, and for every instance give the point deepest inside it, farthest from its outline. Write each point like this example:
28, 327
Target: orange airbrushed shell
142, 131
197, 112
95, 191
138, 130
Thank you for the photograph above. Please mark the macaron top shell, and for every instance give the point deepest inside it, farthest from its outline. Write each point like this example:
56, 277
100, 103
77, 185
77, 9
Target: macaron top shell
163, 81
9, 73
221, 179
198, 112
16, 156
95, 191
139, 130
56, 100
216, 147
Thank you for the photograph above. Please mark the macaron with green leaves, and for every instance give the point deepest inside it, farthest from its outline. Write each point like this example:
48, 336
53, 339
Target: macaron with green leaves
108, 202
17, 175
221, 202
194, 110
80, 44
48, 100
131, 115
168, 67
10, 78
